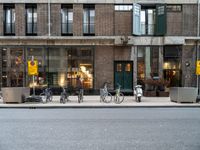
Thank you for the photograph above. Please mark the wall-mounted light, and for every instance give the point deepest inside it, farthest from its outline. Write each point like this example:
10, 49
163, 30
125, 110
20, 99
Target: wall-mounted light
187, 63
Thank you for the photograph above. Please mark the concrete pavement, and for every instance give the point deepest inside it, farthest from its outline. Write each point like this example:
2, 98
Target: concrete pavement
94, 102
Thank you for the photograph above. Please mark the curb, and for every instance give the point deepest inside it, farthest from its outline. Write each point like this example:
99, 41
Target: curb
98, 107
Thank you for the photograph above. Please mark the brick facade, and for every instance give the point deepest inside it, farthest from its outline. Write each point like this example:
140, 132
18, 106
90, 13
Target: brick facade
174, 23
42, 22
104, 20
123, 23
55, 20
104, 66
20, 22
122, 53
189, 20
77, 19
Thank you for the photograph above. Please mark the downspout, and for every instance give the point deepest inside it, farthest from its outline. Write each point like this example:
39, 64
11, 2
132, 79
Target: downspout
49, 18
197, 44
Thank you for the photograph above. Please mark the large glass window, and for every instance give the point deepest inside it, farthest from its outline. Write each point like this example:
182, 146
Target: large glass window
147, 21
80, 64
40, 55
31, 19
172, 65
9, 19
89, 20
12, 67
67, 19
148, 62
67, 64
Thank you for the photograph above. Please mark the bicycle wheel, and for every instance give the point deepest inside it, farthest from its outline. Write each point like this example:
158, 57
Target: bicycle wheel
107, 98
50, 98
119, 99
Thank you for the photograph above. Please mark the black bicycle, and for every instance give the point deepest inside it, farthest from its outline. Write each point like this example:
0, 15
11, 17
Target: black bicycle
46, 95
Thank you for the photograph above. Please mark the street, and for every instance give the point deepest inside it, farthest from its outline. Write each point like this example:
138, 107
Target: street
100, 129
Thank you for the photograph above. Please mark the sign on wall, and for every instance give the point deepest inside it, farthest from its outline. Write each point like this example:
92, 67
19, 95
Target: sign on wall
33, 67
198, 68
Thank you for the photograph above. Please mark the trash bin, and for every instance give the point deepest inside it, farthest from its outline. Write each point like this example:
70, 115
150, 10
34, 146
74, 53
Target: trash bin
15, 94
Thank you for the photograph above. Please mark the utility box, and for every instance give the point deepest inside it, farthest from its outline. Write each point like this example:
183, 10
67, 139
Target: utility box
15, 94
183, 94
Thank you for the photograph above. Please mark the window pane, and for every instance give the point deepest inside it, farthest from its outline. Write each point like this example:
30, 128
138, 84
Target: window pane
128, 67
92, 15
85, 16
8, 16
91, 28
119, 67
85, 28
70, 16
64, 15
29, 15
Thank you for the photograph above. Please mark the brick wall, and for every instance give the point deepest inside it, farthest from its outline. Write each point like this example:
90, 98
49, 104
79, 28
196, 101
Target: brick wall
123, 23
1, 19
55, 20
122, 53
104, 20
174, 23
20, 25
190, 20
42, 19
77, 19
103, 66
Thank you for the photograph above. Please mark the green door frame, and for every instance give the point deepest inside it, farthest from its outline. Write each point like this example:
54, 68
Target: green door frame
123, 64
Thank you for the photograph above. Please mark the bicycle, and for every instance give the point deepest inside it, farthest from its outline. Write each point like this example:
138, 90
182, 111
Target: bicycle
46, 95
119, 96
105, 96
80, 95
64, 97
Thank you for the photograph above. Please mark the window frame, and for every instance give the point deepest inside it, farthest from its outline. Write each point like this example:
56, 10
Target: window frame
67, 7
5, 8
88, 8
33, 24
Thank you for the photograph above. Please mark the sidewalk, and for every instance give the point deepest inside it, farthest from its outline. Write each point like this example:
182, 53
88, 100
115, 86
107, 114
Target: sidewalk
94, 102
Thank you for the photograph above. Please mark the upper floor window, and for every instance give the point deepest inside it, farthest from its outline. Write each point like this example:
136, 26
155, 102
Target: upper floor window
67, 20
9, 19
31, 19
88, 20
174, 8
123, 7
149, 20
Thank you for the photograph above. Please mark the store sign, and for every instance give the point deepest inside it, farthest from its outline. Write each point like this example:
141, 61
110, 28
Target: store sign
33, 67
198, 68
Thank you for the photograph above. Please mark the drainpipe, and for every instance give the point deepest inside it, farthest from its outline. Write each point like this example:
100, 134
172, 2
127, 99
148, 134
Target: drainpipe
49, 18
197, 44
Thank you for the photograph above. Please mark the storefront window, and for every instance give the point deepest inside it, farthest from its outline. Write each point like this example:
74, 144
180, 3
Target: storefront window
57, 64
12, 67
147, 59
80, 64
172, 65
40, 55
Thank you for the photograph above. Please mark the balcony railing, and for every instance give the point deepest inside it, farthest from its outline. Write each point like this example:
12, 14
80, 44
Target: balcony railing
88, 28
67, 28
31, 28
147, 29
9, 28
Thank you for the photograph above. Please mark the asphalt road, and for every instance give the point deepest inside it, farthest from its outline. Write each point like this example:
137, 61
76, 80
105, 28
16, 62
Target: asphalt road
100, 129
